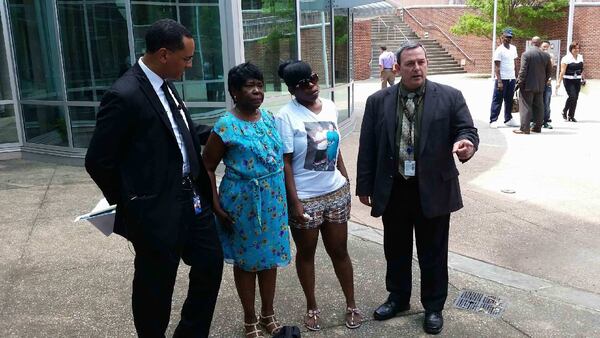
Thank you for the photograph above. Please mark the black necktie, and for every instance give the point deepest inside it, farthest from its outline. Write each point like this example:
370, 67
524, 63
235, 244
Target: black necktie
184, 131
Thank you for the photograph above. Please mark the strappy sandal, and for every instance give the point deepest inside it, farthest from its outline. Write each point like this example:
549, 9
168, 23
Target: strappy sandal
353, 322
255, 333
269, 323
314, 316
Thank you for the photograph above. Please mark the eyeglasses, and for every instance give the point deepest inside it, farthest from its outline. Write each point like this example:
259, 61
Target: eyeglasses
307, 83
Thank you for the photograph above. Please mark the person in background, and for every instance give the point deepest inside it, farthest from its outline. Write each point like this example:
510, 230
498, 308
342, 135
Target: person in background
251, 201
504, 85
318, 195
145, 157
548, 88
571, 73
386, 67
536, 69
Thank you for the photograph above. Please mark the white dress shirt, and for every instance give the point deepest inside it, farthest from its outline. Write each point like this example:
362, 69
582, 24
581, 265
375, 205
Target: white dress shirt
157, 82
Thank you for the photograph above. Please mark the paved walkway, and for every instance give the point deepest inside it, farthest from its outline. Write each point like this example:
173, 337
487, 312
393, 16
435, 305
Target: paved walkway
537, 249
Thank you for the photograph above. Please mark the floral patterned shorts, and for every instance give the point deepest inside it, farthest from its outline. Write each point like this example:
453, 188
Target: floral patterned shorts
333, 207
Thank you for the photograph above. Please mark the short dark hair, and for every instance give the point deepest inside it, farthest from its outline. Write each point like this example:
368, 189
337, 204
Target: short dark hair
573, 45
166, 33
292, 71
383, 48
545, 41
407, 46
238, 75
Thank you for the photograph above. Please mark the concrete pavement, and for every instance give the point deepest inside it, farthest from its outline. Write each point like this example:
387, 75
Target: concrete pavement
537, 249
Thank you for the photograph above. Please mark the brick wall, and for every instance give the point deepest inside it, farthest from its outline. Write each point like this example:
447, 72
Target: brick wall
362, 49
586, 30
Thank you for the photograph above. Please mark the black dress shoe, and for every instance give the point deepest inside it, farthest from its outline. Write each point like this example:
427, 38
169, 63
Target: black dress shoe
389, 309
434, 322
572, 119
564, 115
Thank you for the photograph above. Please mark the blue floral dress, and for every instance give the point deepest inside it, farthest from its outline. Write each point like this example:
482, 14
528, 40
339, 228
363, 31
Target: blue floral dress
252, 192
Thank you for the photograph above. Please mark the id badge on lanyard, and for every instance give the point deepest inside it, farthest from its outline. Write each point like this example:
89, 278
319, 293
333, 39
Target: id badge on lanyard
196, 202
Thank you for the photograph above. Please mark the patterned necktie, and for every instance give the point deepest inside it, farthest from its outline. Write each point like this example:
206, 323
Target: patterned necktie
410, 106
184, 131
406, 139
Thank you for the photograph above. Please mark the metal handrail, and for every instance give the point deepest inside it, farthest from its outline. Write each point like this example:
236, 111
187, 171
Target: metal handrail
397, 28
441, 31
387, 28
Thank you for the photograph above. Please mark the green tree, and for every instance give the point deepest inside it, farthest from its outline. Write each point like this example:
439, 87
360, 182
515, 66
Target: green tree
523, 16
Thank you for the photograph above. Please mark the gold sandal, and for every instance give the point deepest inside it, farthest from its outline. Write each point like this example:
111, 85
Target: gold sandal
314, 315
255, 333
270, 321
353, 323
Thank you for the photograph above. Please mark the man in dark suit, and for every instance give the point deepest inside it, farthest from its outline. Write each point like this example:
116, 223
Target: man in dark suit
407, 174
535, 73
144, 155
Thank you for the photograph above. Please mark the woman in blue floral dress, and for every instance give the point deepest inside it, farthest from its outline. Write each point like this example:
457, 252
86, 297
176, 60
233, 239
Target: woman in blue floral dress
251, 200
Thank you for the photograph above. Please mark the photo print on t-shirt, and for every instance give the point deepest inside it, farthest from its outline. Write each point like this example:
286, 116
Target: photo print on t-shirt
322, 143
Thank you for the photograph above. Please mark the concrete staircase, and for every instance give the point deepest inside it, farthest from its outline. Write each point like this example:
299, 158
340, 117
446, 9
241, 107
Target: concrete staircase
391, 31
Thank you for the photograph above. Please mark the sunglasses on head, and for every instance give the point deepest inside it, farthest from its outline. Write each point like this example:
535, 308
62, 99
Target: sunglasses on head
307, 83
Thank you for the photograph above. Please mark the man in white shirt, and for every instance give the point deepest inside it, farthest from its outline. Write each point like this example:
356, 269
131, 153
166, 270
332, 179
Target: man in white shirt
504, 87
145, 157
387, 60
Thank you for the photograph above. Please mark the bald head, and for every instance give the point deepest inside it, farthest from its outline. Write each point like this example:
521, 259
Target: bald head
536, 41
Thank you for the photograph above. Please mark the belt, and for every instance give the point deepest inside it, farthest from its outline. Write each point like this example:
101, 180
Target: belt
387, 68
255, 188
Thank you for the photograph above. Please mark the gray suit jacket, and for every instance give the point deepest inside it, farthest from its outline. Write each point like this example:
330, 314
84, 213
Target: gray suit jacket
536, 69
445, 120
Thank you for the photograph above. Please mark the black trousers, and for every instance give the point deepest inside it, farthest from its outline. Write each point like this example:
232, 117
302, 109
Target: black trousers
402, 215
572, 86
156, 270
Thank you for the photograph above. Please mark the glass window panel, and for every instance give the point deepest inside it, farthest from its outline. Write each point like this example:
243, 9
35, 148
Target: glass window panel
206, 115
200, 1
5, 93
36, 49
341, 98
95, 46
45, 124
270, 37
341, 43
145, 15
8, 124
204, 24
83, 121
315, 39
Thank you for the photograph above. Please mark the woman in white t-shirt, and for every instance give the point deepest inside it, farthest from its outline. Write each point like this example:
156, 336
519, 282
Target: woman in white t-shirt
571, 73
318, 189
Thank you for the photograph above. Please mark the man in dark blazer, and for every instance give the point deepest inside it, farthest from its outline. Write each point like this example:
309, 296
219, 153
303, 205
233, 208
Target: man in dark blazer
535, 73
407, 174
145, 157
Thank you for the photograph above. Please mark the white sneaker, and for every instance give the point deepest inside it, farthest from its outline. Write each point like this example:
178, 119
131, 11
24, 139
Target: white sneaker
511, 123
494, 125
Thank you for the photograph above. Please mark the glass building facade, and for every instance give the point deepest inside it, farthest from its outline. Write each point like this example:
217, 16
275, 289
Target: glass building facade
58, 57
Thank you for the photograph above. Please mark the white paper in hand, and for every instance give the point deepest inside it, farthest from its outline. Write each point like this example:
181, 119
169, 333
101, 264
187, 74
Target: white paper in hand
102, 217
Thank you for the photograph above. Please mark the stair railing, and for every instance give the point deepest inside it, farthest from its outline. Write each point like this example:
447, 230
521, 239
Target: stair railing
387, 28
441, 31
397, 29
